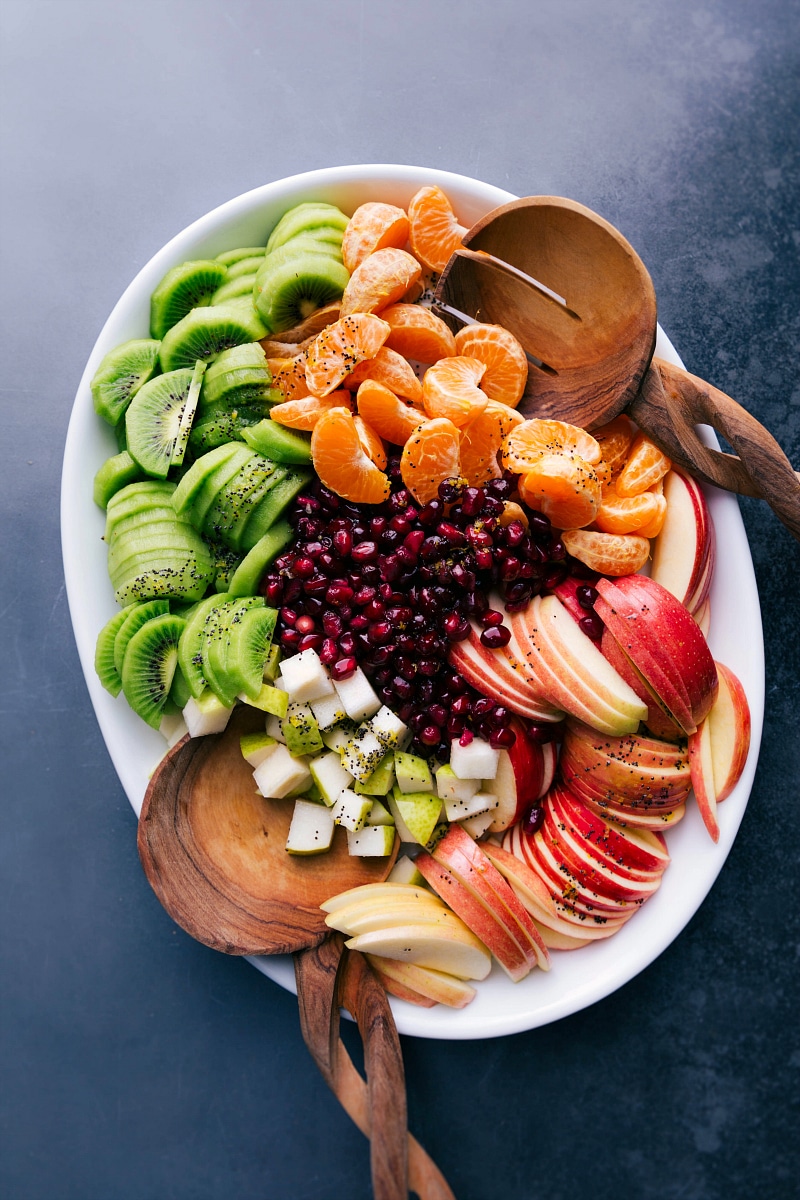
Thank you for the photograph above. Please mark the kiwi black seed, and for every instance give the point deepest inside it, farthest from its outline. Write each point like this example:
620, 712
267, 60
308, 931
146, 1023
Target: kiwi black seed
206, 331
120, 375
153, 420
288, 291
190, 647
149, 666
183, 288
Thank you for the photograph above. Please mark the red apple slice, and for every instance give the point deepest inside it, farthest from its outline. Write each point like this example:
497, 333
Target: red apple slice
573, 891
519, 778
550, 762
639, 849
730, 727
681, 550
702, 769
658, 721
595, 850
489, 673
589, 871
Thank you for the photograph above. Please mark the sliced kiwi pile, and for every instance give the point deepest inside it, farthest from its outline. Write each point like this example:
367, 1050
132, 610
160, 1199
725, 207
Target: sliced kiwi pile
302, 269
195, 497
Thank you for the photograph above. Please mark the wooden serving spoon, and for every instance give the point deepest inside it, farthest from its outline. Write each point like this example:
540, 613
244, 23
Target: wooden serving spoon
581, 302
213, 852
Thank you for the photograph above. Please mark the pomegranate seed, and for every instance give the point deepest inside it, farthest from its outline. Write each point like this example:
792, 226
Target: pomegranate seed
484, 559
592, 626
329, 652
364, 552
430, 736
315, 585
289, 639
343, 667
379, 632
311, 641
304, 625
292, 590
364, 596
407, 667
414, 540
496, 636
288, 616
359, 623
347, 644
456, 627
449, 491
463, 577
542, 732
430, 513
510, 569
533, 819
491, 617
501, 739
273, 591
342, 542
332, 624
438, 714
586, 596
402, 688
515, 533
339, 593
466, 738
455, 727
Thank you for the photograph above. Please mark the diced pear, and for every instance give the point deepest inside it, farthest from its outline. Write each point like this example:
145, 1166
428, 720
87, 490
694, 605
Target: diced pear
373, 841
328, 710
274, 729
476, 826
363, 754
450, 787
281, 773
412, 772
338, 737
478, 760
379, 782
479, 802
329, 775
270, 700
172, 728
311, 829
415, 814
305, 677
456, 951
378, 813
388, 728
405, 870
206, 714
357, 696
300, 729
256, 747
351, 810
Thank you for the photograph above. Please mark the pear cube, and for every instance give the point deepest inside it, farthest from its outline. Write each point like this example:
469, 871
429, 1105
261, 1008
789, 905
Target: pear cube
357, 696
415, 814
479, 802
373, 841
362, 754
351, 810
206, 714
270, 700
478, 760
450, 787
256, 747
282, 773
305, 676
388, 728
412, 772
329, 775
311, 829
328, 710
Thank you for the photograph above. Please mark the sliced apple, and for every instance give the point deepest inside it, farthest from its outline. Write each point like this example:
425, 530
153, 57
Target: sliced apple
640, 849
486, 677
702, 768
396, 987
658, 720
730, 727
457, 951
681, 550
432, 987
518, 781
378, 893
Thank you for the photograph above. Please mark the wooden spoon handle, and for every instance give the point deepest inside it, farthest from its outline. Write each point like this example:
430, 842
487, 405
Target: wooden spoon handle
326, 980
669, 405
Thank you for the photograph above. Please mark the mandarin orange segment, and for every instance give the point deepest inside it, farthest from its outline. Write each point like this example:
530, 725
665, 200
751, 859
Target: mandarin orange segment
340, 462
380, 280
566, 490
508, 418
433, 230
388, 415
371, 444
614, 439
450, 389
502, 355
607, 553
340, 347
393, 371
304, 412
373, 226
513, 512
533, 439
289, 374
480, 444
417, 333
627, 514
644, 467
430, 456
653, 528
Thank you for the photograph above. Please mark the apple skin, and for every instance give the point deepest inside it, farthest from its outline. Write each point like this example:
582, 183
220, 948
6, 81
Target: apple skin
663, 642
657, 721
634, 849
587, 868
702, 768
456, 951
519, 779
491, 673
631, 770
684, 551
730, 723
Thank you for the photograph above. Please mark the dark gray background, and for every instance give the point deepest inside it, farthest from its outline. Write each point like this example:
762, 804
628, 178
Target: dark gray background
137, 1065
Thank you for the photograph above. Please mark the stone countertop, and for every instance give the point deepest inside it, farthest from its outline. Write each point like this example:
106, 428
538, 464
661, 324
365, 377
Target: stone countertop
138, 1064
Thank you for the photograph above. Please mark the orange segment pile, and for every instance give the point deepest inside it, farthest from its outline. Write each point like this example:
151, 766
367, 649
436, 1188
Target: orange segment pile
644, 467
434, 232
289, 374
502, 355
417, 333
430, 456
307, 410
340, 347
388, 415
371, 443
341, 463
480, 443
607, 553
450, 389
380, 280
393, 371
532, 440
615, 440
565, 489
373, 226
629, 514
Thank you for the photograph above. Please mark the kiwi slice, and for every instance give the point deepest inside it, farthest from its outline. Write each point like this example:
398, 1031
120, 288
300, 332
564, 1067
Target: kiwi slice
247, 576
184, 577
206, 331
229, 257
188, 415
183, 288
144, 496
226, 563
200, 470
238, 376
179, 693
223, 427
120, 436
287, 291
279, 443
244, 266
231, 508
231, 289
136, 618
249, 641
149, 666
306, 216
153, 420
272, 506
190, 647
120, 375
107, 672
216, 643
115, 473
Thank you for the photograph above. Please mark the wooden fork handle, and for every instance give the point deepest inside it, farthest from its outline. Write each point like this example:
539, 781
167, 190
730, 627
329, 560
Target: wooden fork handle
326, 981
669, 405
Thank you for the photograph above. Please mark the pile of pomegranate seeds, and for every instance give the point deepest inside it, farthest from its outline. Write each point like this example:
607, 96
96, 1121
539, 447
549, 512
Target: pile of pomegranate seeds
389, 587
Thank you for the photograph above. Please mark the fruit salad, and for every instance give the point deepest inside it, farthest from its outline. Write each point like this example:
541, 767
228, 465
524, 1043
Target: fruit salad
472, 633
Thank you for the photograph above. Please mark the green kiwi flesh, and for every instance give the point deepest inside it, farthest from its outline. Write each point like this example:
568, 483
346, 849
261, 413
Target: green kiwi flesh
229, 257
247, 576
188, 415
206, 331
115, 473
185, 494
216, 642
107, 673
226, 563
120, 375
153, 420
249, 641
303, 217
136, 618
149, 666
286, 292
272, 506
232, 289
279, 443
190, 285
190, 647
